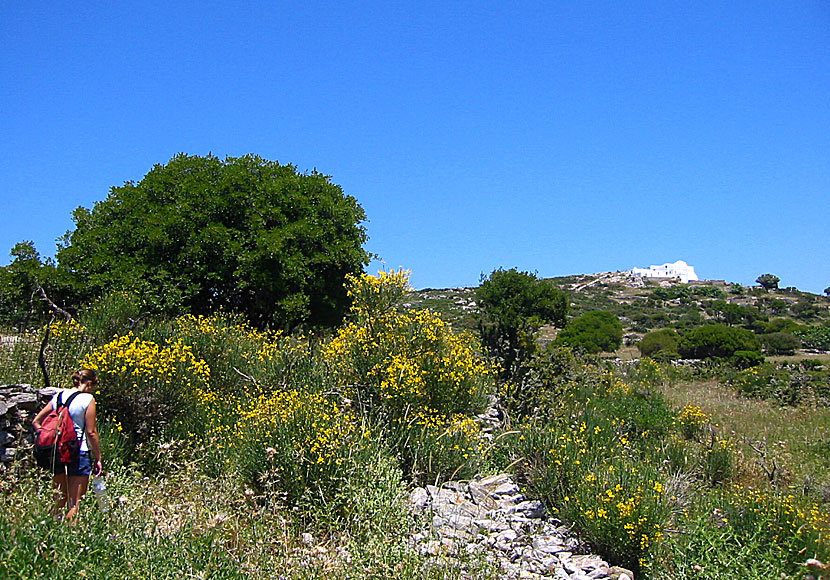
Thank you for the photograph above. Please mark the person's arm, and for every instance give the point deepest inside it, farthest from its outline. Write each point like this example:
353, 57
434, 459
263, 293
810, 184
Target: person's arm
37, 422
92, 438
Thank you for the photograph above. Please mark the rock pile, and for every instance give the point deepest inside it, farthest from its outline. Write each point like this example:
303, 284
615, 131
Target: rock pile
18, 405
492, 519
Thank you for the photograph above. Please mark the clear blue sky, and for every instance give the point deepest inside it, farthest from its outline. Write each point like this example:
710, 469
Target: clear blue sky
557, 137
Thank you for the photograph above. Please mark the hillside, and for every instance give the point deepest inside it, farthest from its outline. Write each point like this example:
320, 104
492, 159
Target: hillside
645, 305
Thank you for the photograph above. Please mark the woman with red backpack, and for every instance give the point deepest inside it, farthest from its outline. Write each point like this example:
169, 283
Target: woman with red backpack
72, 479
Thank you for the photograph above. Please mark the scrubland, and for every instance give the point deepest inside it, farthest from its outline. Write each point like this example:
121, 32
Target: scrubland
233, 452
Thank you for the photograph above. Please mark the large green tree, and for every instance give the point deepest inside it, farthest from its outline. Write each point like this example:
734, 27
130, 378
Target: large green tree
514, 305
242, 234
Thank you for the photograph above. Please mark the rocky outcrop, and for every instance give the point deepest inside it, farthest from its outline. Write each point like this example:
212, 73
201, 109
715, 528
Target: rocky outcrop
491, 518
18, 406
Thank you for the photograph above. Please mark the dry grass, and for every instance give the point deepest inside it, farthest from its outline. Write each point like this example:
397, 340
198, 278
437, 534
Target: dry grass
785, 446
824, 357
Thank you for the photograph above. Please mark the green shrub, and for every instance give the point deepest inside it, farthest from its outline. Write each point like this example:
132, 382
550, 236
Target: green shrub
780, 343
817, 337
660, 342
543, 387
717, 461
115, 313
514, 305
592, 332
743, 359
717, 341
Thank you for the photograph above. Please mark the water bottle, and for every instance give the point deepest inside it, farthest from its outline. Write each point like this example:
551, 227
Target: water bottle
100, 489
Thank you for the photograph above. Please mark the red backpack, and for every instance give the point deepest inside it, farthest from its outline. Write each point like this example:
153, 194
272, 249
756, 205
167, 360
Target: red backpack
56, 443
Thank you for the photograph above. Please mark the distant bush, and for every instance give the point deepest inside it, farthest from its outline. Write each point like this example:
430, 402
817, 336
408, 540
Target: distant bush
717, 341
817, 337
805, 310
780, 343
671, 293
660, 344
768, 281
744, 359
785, 385
592, 332
776, 325
708, 292
688, 321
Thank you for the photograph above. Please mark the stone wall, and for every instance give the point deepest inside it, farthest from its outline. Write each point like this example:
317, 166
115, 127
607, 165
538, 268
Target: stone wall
18, 406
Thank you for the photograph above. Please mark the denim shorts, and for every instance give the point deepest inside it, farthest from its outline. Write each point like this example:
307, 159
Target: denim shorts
82, 467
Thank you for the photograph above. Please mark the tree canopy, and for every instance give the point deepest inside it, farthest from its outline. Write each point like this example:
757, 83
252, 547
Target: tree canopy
242, 234
513, 306
20, 280
768, 281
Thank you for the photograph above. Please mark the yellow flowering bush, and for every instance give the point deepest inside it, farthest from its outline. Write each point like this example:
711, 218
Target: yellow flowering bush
439, 447
147, 386
376, 296
298, 444
409, 360
592, 475
246, 362
691, 421
400, 366
67, 330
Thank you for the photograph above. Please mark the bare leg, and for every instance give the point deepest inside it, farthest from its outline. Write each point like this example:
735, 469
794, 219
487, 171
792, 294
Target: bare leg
76, 488
60, 494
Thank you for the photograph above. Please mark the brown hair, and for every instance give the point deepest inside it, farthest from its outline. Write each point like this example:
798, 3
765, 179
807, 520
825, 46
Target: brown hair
85, 375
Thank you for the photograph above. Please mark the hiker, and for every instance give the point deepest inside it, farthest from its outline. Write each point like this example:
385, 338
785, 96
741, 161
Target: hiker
72, 480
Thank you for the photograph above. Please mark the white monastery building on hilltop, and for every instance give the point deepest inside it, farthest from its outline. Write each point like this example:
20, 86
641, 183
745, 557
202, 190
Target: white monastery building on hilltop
679, 269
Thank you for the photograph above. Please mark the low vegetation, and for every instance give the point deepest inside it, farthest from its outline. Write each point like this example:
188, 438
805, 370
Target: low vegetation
236, 452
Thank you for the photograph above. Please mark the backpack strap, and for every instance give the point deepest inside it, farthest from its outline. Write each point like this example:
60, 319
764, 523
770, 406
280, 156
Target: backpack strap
68, 401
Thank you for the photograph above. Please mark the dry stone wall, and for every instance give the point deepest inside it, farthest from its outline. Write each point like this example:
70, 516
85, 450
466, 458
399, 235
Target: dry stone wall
18, 406
491, 518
